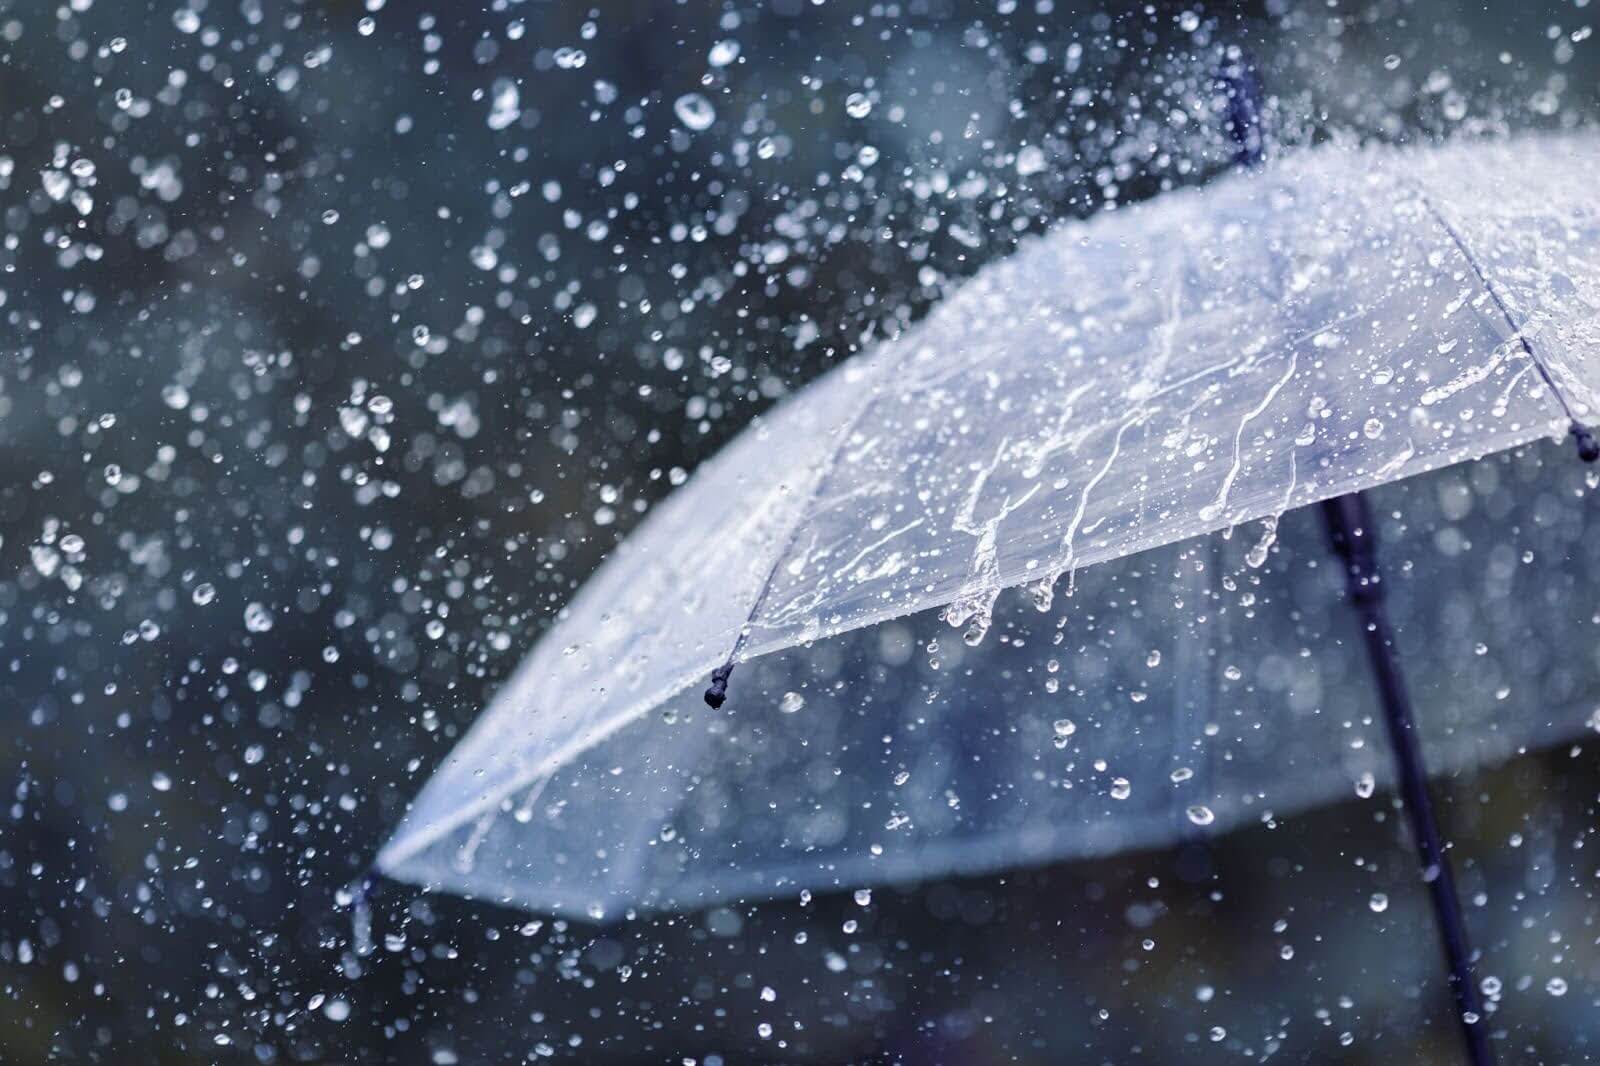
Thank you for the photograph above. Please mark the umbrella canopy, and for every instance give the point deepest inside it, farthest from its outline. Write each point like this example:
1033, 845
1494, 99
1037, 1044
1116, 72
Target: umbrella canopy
1342, 319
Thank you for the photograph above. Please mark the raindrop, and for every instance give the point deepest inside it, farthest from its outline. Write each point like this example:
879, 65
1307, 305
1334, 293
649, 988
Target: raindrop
723, 53
1121, 788
506, 106
1365, 784
1181, 774
695, 111
204, 593
257, 619
858, 105
1378, 903
791, 702
1556, 986
1201, 815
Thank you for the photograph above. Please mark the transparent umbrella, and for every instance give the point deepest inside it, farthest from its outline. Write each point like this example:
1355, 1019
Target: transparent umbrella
1114, 419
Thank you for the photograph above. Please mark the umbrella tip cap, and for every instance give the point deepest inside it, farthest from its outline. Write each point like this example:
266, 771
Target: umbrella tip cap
1588, 446
717, 693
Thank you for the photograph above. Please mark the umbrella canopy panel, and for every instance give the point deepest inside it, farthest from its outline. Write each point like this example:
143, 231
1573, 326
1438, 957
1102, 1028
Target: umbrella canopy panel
1341, 319
1178, 693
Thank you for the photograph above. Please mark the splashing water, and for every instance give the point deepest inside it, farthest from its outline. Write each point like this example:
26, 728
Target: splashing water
976, 612
1257, 555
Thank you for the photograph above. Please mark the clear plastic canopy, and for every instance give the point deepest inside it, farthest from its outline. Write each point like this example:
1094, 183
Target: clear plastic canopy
1342, 319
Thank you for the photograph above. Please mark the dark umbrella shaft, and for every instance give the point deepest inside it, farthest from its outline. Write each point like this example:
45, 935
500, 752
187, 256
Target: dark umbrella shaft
1351, 529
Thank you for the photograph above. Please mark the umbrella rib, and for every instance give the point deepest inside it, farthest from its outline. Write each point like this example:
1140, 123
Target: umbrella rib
1588, 445
717, 692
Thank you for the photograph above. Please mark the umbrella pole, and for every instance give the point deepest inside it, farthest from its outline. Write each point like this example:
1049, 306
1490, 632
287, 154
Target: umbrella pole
1354, 537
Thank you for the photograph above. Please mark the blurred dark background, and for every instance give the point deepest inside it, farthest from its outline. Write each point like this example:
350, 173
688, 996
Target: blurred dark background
343, 338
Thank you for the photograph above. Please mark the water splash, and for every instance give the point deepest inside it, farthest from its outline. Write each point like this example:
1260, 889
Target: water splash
1257, 555
1042, 593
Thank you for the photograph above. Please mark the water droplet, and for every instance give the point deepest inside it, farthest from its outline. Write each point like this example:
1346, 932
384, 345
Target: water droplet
791, 702
1257, 555
1378, 903
1121, 788
1365, 785
203, 593
1200, 814
1556, 986
694, 111
506, 104
858, 105
257, 619
1042, 593
723, 53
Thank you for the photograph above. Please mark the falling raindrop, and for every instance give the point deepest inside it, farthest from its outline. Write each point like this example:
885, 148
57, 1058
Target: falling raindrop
257, 619
791, 702
694, 111
1201, 815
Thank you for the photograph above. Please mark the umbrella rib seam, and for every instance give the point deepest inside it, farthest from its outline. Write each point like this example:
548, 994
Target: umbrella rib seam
828, 465
1488, 287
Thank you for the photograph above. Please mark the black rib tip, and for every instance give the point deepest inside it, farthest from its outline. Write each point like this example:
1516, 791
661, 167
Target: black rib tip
1588, 446
717, 694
